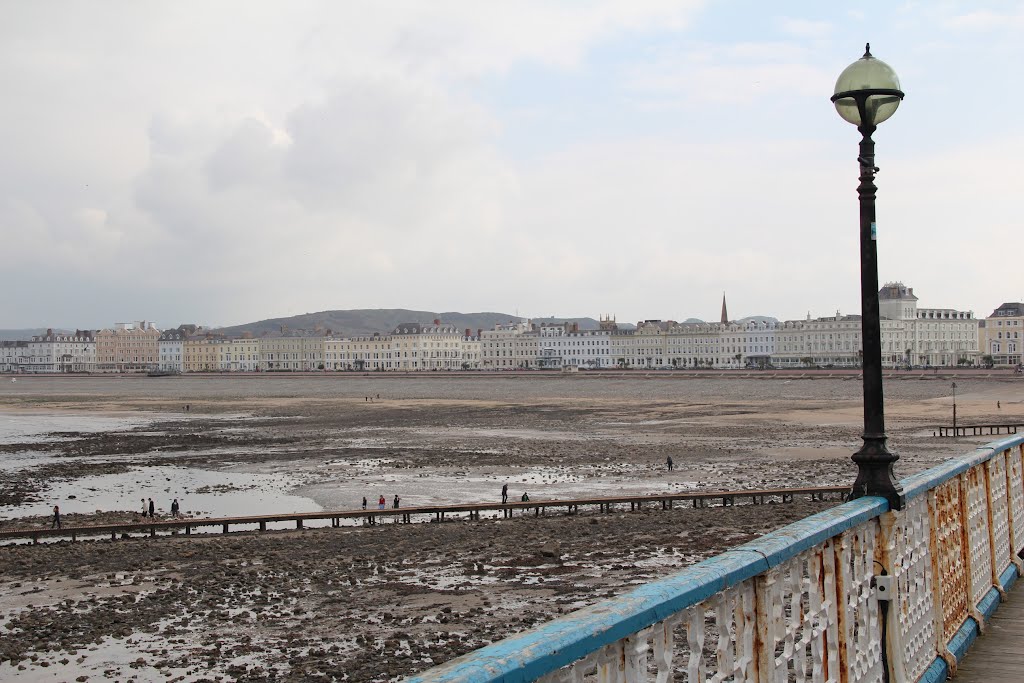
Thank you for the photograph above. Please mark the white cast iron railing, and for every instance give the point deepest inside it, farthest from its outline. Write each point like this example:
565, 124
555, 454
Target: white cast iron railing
802, 603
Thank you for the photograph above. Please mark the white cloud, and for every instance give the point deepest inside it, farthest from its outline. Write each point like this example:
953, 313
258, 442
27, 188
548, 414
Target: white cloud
739, 73
234, 161
986, 20
805, 28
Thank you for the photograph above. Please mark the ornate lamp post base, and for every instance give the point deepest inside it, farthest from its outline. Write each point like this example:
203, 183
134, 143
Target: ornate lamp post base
874, 473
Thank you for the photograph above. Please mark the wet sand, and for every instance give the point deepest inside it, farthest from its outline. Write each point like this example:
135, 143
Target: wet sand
379, 603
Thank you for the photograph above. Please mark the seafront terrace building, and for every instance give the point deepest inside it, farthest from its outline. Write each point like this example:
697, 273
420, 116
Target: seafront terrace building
201, 353
565, 345
435, 346
171, 345
61, 353
13, 355
239, 355
129, 347
373, 352
1002, 334
299, 354
471, 350
643, 347
924, 336
509, 346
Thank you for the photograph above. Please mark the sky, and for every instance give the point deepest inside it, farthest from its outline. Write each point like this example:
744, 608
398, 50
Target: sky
226, 162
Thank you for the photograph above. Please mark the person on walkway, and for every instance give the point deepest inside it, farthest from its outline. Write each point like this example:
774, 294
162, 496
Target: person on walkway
143, 507
152, 508
526, 497
56, 517
397, 500
504, 494
669, 463
175, 507
381, 503
999, 405
364, 502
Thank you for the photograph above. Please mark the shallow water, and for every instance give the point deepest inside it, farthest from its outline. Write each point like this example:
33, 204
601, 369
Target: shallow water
24, 427
202, 492
199, 492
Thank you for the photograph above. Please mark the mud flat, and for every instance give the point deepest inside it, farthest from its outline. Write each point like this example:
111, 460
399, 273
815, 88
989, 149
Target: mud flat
379, 603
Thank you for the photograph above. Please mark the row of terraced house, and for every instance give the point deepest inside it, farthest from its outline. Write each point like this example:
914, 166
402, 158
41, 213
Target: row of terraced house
141, 347
911, 336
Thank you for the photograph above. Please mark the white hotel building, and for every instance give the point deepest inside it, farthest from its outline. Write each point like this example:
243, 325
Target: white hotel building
910, 335
171, 345
13, 355
427, 347
60, 353
566, 345
507, 347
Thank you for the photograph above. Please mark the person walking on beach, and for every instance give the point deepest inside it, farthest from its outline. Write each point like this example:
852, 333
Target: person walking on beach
396, 501
381, 503
669, 463
143, 507
364, 502
504, 494
56, 517
175, 507
152, 508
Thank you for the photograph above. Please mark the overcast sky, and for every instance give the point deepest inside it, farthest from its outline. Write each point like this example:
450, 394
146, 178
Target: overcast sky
226, 162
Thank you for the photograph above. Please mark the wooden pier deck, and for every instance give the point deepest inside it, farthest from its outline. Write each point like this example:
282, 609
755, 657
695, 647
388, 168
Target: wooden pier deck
995, 657
436, 512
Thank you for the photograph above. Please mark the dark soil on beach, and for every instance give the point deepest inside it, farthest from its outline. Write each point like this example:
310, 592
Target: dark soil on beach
378, 603
371, 604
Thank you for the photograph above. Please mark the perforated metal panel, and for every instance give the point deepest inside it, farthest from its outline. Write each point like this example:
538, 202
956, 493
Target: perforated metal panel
954, 587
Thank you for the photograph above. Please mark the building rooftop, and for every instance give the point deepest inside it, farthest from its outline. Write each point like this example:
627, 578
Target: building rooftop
896, 290
1012, 309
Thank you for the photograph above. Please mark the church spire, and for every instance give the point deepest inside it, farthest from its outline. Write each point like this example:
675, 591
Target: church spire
725, 311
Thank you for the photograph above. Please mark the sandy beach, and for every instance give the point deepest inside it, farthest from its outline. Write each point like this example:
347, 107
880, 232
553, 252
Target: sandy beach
378, 603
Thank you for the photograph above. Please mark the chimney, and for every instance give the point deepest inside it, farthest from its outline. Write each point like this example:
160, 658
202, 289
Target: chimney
575, 327
436, 321
49, 331
479, 333
469, 332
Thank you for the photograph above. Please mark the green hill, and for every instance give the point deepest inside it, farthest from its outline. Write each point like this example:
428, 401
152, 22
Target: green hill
366, 321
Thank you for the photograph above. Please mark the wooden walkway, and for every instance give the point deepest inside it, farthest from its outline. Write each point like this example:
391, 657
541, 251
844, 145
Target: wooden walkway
995, 657
438, 512
978, 430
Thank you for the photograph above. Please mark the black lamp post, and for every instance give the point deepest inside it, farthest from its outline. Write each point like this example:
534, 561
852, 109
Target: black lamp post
867, 93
